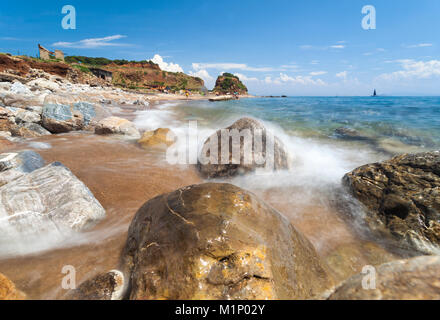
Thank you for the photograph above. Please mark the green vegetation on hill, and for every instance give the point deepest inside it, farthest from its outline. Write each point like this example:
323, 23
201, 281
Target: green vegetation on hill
102, 61
229, 83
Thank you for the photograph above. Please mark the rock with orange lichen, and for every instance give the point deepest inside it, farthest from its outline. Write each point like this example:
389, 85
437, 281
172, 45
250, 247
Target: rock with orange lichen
8, 291
158, 138
115, 125
217, 241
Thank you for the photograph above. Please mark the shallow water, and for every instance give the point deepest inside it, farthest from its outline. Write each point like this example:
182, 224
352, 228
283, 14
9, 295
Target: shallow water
122, 176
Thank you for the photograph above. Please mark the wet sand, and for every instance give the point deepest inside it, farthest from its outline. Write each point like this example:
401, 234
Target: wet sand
122, 176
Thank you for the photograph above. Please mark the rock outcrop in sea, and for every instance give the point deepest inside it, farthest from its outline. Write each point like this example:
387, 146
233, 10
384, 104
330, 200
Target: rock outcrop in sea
402, 198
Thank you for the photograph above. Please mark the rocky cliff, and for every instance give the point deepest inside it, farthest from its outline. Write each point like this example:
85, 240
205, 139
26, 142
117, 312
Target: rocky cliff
229, 83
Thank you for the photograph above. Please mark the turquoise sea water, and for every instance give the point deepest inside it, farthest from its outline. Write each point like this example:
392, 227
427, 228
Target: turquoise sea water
411, 121
325, 137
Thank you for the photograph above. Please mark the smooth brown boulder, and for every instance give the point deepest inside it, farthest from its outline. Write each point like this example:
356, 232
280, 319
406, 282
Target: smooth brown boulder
8, 291
115, 125
156, 138
217, 241
237, 164
107, 286
402, 198
412, 279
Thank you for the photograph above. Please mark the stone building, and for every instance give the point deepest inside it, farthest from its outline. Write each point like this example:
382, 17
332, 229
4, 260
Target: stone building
46, 54
59, 55
103, 74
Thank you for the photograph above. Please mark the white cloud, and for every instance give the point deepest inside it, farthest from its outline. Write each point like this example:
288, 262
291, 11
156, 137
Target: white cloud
314, 62
302, 80
209, 80
165, 66
245, 78
419, 45
92, 43
337, 46
230, 66
414, 69
342, 74
317, 73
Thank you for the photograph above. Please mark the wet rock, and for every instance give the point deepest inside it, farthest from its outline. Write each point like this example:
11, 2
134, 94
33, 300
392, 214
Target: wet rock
87, 110
29, 130
349, 134
36, 109
156, 138
250, 156
24, 116
108, 286
58, 118
412, 279
18, 87
16, 164
115, 125
217, 241
42, 83
8, 291
47, 201
402, 198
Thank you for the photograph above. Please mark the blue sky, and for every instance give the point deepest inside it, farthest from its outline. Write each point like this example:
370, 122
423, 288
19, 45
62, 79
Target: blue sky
314, 47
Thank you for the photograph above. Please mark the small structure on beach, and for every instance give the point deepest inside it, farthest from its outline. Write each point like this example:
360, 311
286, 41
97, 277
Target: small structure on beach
46, 54
59, 55
103, 74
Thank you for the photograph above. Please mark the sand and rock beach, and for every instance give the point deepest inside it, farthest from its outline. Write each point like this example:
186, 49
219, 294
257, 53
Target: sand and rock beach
82, 184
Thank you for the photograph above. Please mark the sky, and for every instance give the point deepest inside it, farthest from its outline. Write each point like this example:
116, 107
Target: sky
292, 47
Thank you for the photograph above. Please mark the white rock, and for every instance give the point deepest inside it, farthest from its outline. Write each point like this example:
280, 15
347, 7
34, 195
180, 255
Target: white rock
44, 207
19, 88
45, 84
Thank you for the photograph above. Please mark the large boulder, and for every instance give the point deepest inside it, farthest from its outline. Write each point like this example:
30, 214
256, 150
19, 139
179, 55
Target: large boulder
29, 130
156, 138
48, 202
412, 279
16, 164
217, 241
402, 198
251, 155
115, 125
8, 291
59, 118
87, 110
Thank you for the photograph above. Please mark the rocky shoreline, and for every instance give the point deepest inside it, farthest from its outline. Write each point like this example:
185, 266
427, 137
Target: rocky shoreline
190, 239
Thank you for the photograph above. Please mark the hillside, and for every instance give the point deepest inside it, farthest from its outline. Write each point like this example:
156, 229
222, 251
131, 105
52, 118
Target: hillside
229, 83
140, 74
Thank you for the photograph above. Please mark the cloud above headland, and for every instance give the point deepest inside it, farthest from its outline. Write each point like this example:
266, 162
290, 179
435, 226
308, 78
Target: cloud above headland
166, 66
230, 66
